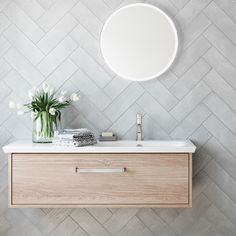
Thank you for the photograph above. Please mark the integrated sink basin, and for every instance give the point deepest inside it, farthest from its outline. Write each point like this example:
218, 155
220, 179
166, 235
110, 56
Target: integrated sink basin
124, 146
149, 146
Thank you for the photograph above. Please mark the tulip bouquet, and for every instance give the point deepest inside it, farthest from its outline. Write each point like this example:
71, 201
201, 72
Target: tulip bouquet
45, 106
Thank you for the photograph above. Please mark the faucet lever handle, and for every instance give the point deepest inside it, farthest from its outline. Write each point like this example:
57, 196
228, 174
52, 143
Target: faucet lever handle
139, 119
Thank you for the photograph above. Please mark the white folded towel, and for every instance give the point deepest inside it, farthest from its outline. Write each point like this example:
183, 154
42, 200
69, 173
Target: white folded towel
75, 137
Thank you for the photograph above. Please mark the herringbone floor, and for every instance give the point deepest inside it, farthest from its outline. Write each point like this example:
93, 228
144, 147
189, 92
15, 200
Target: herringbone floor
57, 41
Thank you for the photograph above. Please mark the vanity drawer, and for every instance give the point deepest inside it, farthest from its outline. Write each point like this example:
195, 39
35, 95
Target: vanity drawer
48, 180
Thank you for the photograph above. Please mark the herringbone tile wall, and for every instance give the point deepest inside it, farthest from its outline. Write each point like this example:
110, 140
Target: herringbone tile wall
57, 41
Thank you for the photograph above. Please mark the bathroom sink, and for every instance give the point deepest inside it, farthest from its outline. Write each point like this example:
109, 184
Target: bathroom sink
150, 146
127, 143
124, 146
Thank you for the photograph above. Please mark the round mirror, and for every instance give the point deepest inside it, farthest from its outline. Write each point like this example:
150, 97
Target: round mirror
139, 42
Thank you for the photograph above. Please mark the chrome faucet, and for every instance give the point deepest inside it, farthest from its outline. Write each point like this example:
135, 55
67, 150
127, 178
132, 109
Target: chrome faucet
139, 127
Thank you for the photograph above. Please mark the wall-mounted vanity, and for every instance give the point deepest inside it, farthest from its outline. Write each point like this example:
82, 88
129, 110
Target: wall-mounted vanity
112, 174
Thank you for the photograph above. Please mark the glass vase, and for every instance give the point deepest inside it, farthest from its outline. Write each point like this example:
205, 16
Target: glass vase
45, 127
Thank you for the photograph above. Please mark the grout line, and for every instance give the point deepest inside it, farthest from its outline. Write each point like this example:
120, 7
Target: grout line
67, 12
212, 158
84, 48
217, 137
201, 81
213, 24
226, 13
212, 204
128, 106
202, 104
215, 68
82, 69
97, 222
189, 70
81, 2
67, 35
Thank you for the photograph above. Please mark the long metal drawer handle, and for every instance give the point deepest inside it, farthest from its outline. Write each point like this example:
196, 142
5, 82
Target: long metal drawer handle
100, 170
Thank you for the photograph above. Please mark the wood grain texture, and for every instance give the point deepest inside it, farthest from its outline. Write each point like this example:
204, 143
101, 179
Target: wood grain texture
190, 177
9, 180
149, 180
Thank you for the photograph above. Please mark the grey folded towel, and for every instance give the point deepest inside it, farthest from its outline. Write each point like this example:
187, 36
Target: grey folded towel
84, 137
75, 137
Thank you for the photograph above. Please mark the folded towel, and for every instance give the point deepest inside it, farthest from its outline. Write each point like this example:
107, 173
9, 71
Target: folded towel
78, 131
84, 137
84, 141
63, 143
75, 137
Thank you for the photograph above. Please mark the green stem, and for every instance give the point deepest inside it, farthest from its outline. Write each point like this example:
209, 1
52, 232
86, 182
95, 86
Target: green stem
45, 128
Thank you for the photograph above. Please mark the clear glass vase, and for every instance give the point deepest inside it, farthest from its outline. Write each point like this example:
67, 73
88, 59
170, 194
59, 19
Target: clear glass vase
45, 127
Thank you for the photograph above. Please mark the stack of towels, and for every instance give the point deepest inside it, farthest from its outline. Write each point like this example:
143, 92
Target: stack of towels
75, 137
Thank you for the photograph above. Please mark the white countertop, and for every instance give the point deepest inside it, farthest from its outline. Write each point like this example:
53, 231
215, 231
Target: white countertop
171, 146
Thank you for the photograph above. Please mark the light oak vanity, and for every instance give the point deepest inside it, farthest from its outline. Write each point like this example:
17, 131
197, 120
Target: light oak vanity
114, 174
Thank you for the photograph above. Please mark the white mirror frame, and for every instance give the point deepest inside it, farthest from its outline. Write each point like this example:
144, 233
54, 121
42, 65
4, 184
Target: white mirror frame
104, 50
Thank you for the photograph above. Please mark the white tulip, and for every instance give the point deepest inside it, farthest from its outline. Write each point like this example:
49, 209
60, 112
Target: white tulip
52, 111
37, 90
62, 99
19, 106
12, 105
20, 112
45, 88
74, 97
32, 93
51, 91
63, 92
34, 115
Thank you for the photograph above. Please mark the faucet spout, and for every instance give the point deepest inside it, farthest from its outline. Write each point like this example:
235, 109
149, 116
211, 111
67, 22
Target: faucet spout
139, 127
